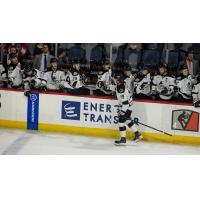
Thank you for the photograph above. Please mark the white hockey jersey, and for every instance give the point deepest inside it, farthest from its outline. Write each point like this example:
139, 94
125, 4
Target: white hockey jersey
196, 92
185, 85
3, 75
129, 81
142, 85
38, 78
104, 80
73, 80
124, 97
14, 75
54, 79
164, 86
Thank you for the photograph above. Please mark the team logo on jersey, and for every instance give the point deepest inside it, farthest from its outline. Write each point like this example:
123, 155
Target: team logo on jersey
186, 120
71, 110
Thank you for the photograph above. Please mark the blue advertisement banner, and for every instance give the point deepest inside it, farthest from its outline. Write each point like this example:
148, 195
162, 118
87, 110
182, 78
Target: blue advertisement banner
33, 111
71, 110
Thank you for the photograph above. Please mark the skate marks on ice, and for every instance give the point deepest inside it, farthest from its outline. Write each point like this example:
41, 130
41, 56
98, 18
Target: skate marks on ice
13, 141
17, 145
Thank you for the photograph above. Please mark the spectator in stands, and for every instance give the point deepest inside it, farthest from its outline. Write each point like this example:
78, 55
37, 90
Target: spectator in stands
24, 53
38, 49
42, 61
191, 63
54, 76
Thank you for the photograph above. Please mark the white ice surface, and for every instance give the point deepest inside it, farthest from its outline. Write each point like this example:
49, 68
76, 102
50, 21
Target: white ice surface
14, 141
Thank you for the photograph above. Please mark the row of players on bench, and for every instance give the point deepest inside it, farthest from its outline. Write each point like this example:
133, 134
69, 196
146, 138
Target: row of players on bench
141, 84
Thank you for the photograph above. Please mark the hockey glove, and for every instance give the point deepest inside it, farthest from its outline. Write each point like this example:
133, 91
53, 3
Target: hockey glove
164, 91
33, 83
61, 86
176, 89
43, 88
27, 93
196, 104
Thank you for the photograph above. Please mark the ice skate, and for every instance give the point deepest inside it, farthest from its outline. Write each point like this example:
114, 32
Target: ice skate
120, 142
138, 137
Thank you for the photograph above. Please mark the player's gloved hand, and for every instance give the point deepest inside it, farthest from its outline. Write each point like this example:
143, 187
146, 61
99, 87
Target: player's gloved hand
196, 104
43, 88
27, 93
33, 83
122, 113
176, 89
164, 91
10, 83
61, 86
116, 108
153, 96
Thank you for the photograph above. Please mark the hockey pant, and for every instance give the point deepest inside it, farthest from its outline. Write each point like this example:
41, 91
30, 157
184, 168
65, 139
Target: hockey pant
125, 120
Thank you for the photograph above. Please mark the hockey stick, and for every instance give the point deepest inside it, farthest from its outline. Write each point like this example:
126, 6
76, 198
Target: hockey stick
154, 128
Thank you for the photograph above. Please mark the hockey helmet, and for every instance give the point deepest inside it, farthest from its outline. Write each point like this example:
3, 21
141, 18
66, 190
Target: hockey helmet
182, 67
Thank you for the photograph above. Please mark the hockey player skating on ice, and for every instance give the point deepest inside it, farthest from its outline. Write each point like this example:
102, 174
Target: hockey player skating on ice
125, 105
142, 84
163, 84
54, 76
75, 80
184, 85
14, 72
104, 80
32, 79
196, 92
